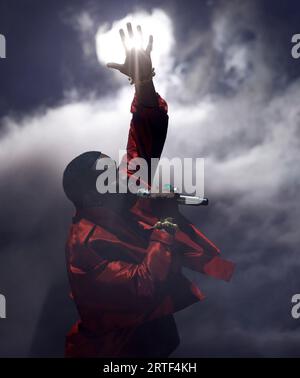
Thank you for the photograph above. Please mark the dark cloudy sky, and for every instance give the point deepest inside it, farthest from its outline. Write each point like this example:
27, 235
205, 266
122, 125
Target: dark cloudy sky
233, 91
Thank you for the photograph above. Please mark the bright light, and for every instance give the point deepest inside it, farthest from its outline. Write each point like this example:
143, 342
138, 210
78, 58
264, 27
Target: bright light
135, 42
108, 42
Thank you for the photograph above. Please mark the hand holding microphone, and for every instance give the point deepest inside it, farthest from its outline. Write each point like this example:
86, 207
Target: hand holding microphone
182, 199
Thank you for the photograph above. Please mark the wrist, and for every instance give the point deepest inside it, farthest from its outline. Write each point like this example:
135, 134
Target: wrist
144, 86
143, 78
146, 94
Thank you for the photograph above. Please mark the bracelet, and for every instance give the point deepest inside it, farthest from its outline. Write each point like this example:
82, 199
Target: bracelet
144, 81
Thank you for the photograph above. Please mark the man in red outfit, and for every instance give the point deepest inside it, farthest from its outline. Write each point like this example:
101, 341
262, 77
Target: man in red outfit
125, 272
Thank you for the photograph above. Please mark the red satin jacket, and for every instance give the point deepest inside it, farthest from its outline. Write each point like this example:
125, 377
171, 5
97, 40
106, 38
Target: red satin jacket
126, 279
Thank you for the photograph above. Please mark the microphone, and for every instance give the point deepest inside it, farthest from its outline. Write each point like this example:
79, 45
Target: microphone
182, 199
192, 200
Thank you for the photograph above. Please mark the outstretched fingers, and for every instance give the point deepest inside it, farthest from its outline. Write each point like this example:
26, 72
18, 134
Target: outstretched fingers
129, 29
123, 39
115, 66
140, 36
150, 45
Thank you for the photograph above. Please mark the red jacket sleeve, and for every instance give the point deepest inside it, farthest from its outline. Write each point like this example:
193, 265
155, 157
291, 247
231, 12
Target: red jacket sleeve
129, 291
147, 133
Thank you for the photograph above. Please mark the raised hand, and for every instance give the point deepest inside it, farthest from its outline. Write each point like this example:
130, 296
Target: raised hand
138, 64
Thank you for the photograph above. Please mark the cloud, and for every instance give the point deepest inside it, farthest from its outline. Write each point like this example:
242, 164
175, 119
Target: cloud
219, 86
